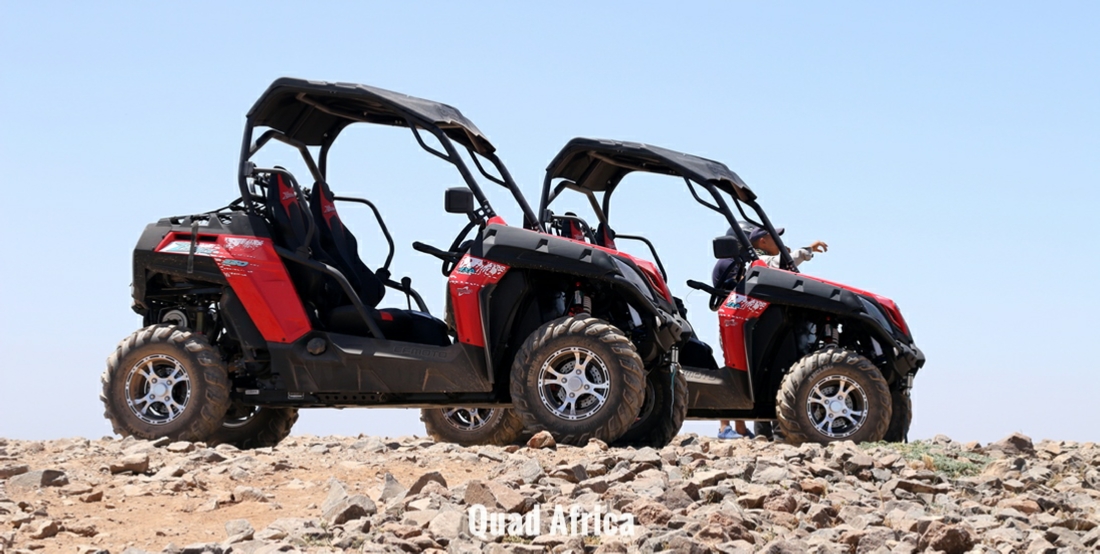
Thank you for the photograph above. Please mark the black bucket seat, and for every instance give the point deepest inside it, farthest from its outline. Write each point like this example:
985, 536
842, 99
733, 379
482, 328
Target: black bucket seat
341, 246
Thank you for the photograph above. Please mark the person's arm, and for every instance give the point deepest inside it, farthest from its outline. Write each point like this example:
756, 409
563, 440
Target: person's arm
801, 255
806, 253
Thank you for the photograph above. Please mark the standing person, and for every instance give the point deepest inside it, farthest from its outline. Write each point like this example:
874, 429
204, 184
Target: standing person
768, 251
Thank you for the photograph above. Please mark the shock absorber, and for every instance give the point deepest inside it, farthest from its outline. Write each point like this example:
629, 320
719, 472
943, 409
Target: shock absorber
832, 334
582, 303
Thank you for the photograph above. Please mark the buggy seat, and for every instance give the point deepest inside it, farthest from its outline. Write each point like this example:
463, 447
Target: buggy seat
341, 246
329, 306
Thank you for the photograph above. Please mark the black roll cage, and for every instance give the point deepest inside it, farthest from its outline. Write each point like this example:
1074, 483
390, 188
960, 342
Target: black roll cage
604, 152
319, 170
376, 106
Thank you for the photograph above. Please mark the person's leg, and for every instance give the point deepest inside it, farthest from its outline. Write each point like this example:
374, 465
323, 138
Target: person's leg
743, 429
725, 431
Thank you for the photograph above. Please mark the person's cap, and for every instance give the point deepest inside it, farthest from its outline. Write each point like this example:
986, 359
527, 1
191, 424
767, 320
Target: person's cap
746, 228
760, 232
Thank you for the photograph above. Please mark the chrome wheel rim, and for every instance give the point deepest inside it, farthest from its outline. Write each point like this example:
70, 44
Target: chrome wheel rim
467, 419
158, 389
573, 383
837, 406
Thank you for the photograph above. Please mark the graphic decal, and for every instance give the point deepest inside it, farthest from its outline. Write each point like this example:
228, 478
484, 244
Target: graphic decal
466, 280
741, 302
735, 311
477, 266
184, 247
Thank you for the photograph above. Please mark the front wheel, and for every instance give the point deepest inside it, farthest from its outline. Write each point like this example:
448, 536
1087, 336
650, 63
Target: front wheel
832, 395
165, 381
579, 378
473, 426
254, 427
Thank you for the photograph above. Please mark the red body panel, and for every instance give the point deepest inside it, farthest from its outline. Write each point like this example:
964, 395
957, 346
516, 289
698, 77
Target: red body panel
735, 311
257, 276
464, 284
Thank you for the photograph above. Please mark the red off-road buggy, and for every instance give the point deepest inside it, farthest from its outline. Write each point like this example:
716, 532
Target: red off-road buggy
263, 307
829, 361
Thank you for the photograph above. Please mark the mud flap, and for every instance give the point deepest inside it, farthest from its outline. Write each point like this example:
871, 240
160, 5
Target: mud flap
674, 367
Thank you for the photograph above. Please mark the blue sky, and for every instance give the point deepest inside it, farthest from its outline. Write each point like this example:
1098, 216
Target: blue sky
947, 152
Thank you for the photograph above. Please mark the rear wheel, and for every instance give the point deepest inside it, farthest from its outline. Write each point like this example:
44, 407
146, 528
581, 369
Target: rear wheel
831, 395
901, 417
769, 429
473, 426
165, 381
663, 411
254, 427
579, 378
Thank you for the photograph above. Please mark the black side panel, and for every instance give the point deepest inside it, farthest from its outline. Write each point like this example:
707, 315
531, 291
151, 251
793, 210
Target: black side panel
521, 248
204, 269
241, 325
771, 350
504, 305
365, 365
793, 289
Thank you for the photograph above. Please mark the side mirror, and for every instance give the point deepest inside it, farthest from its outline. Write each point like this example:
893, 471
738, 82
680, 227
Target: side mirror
727, 247
458, 200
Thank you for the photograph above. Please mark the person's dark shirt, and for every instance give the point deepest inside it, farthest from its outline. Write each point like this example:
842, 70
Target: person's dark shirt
720, 268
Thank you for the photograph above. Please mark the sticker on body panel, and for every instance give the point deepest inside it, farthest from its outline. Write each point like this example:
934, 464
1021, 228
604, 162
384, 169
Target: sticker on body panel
239, 244
467, 280
184, 247
477, 266
739, 301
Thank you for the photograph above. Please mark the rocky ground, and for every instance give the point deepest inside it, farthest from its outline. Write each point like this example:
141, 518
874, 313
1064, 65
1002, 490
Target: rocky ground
367, 494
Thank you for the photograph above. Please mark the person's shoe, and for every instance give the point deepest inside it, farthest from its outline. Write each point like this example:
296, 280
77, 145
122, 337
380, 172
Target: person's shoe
728, 433
749, 434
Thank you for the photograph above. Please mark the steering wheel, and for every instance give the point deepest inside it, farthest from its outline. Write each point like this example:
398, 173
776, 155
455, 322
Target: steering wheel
458, 248
451, 256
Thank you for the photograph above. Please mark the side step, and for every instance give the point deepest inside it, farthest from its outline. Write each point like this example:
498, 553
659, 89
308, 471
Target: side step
722, 389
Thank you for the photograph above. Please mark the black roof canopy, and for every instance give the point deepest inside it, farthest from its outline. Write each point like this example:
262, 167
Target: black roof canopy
599, 165
314, 112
